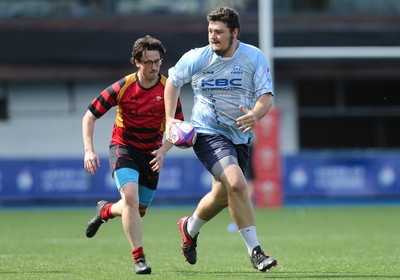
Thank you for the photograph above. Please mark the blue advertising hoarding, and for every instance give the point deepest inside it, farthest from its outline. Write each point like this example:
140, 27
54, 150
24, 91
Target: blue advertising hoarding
305, 175
341, 175
64, 179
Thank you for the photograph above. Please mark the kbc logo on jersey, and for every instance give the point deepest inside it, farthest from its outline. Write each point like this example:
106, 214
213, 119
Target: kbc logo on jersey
220, 83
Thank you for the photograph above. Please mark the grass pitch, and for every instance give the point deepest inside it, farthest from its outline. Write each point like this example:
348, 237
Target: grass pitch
309, 243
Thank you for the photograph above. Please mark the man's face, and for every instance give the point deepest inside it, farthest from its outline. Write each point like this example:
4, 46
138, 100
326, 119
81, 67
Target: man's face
149, 64
220, 37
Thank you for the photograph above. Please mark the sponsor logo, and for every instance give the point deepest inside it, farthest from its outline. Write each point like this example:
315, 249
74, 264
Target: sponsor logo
220, 83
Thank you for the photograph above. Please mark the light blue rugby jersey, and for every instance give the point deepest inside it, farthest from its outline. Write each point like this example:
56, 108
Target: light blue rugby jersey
220, 85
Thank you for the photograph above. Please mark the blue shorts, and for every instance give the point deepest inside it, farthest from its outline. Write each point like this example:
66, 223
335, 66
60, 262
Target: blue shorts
217, 152
125, 175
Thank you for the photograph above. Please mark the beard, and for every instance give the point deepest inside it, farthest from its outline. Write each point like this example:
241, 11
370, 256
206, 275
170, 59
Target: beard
221, 52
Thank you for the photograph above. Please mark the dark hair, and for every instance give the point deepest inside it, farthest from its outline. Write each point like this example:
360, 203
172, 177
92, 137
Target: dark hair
227, 15
147, 43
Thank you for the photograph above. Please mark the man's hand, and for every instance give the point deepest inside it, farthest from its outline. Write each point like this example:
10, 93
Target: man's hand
248, 121
168, 125
91, 162
157, 162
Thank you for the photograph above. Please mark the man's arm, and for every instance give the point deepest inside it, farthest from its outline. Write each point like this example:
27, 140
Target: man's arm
263, 105
251, 117
91, 160
171, 94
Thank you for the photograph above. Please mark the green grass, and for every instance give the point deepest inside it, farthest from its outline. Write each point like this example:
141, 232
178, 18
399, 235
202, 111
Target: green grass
314, 243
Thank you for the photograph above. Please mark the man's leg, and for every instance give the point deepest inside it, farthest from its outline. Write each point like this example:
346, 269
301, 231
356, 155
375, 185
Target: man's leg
132, 224
213, 202
131, 220
238, 199
209, 206
241, 211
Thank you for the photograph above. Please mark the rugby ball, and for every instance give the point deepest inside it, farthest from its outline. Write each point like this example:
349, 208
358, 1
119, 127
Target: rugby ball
183, 135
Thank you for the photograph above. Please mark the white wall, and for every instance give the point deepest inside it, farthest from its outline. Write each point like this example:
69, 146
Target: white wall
45, 120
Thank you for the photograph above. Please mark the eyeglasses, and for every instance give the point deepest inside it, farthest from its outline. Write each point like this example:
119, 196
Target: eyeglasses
150, 63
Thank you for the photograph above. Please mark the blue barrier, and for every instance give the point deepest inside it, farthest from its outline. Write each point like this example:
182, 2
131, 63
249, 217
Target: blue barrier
306, 175
66, 179
322, 175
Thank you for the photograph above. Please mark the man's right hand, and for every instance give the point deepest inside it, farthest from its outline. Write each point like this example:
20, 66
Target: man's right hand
168, 125
91, 162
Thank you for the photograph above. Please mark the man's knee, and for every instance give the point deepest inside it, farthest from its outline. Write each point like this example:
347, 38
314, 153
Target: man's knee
129, 195
234, 180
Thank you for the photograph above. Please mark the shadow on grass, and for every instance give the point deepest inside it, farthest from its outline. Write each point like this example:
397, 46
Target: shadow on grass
283, 275
35, 272
219, 273
332, 276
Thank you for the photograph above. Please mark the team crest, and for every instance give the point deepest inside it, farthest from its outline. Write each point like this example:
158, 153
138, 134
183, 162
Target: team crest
236, 69
158, 99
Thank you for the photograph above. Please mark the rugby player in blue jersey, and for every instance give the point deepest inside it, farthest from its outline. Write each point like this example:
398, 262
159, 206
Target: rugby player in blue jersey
233, 90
